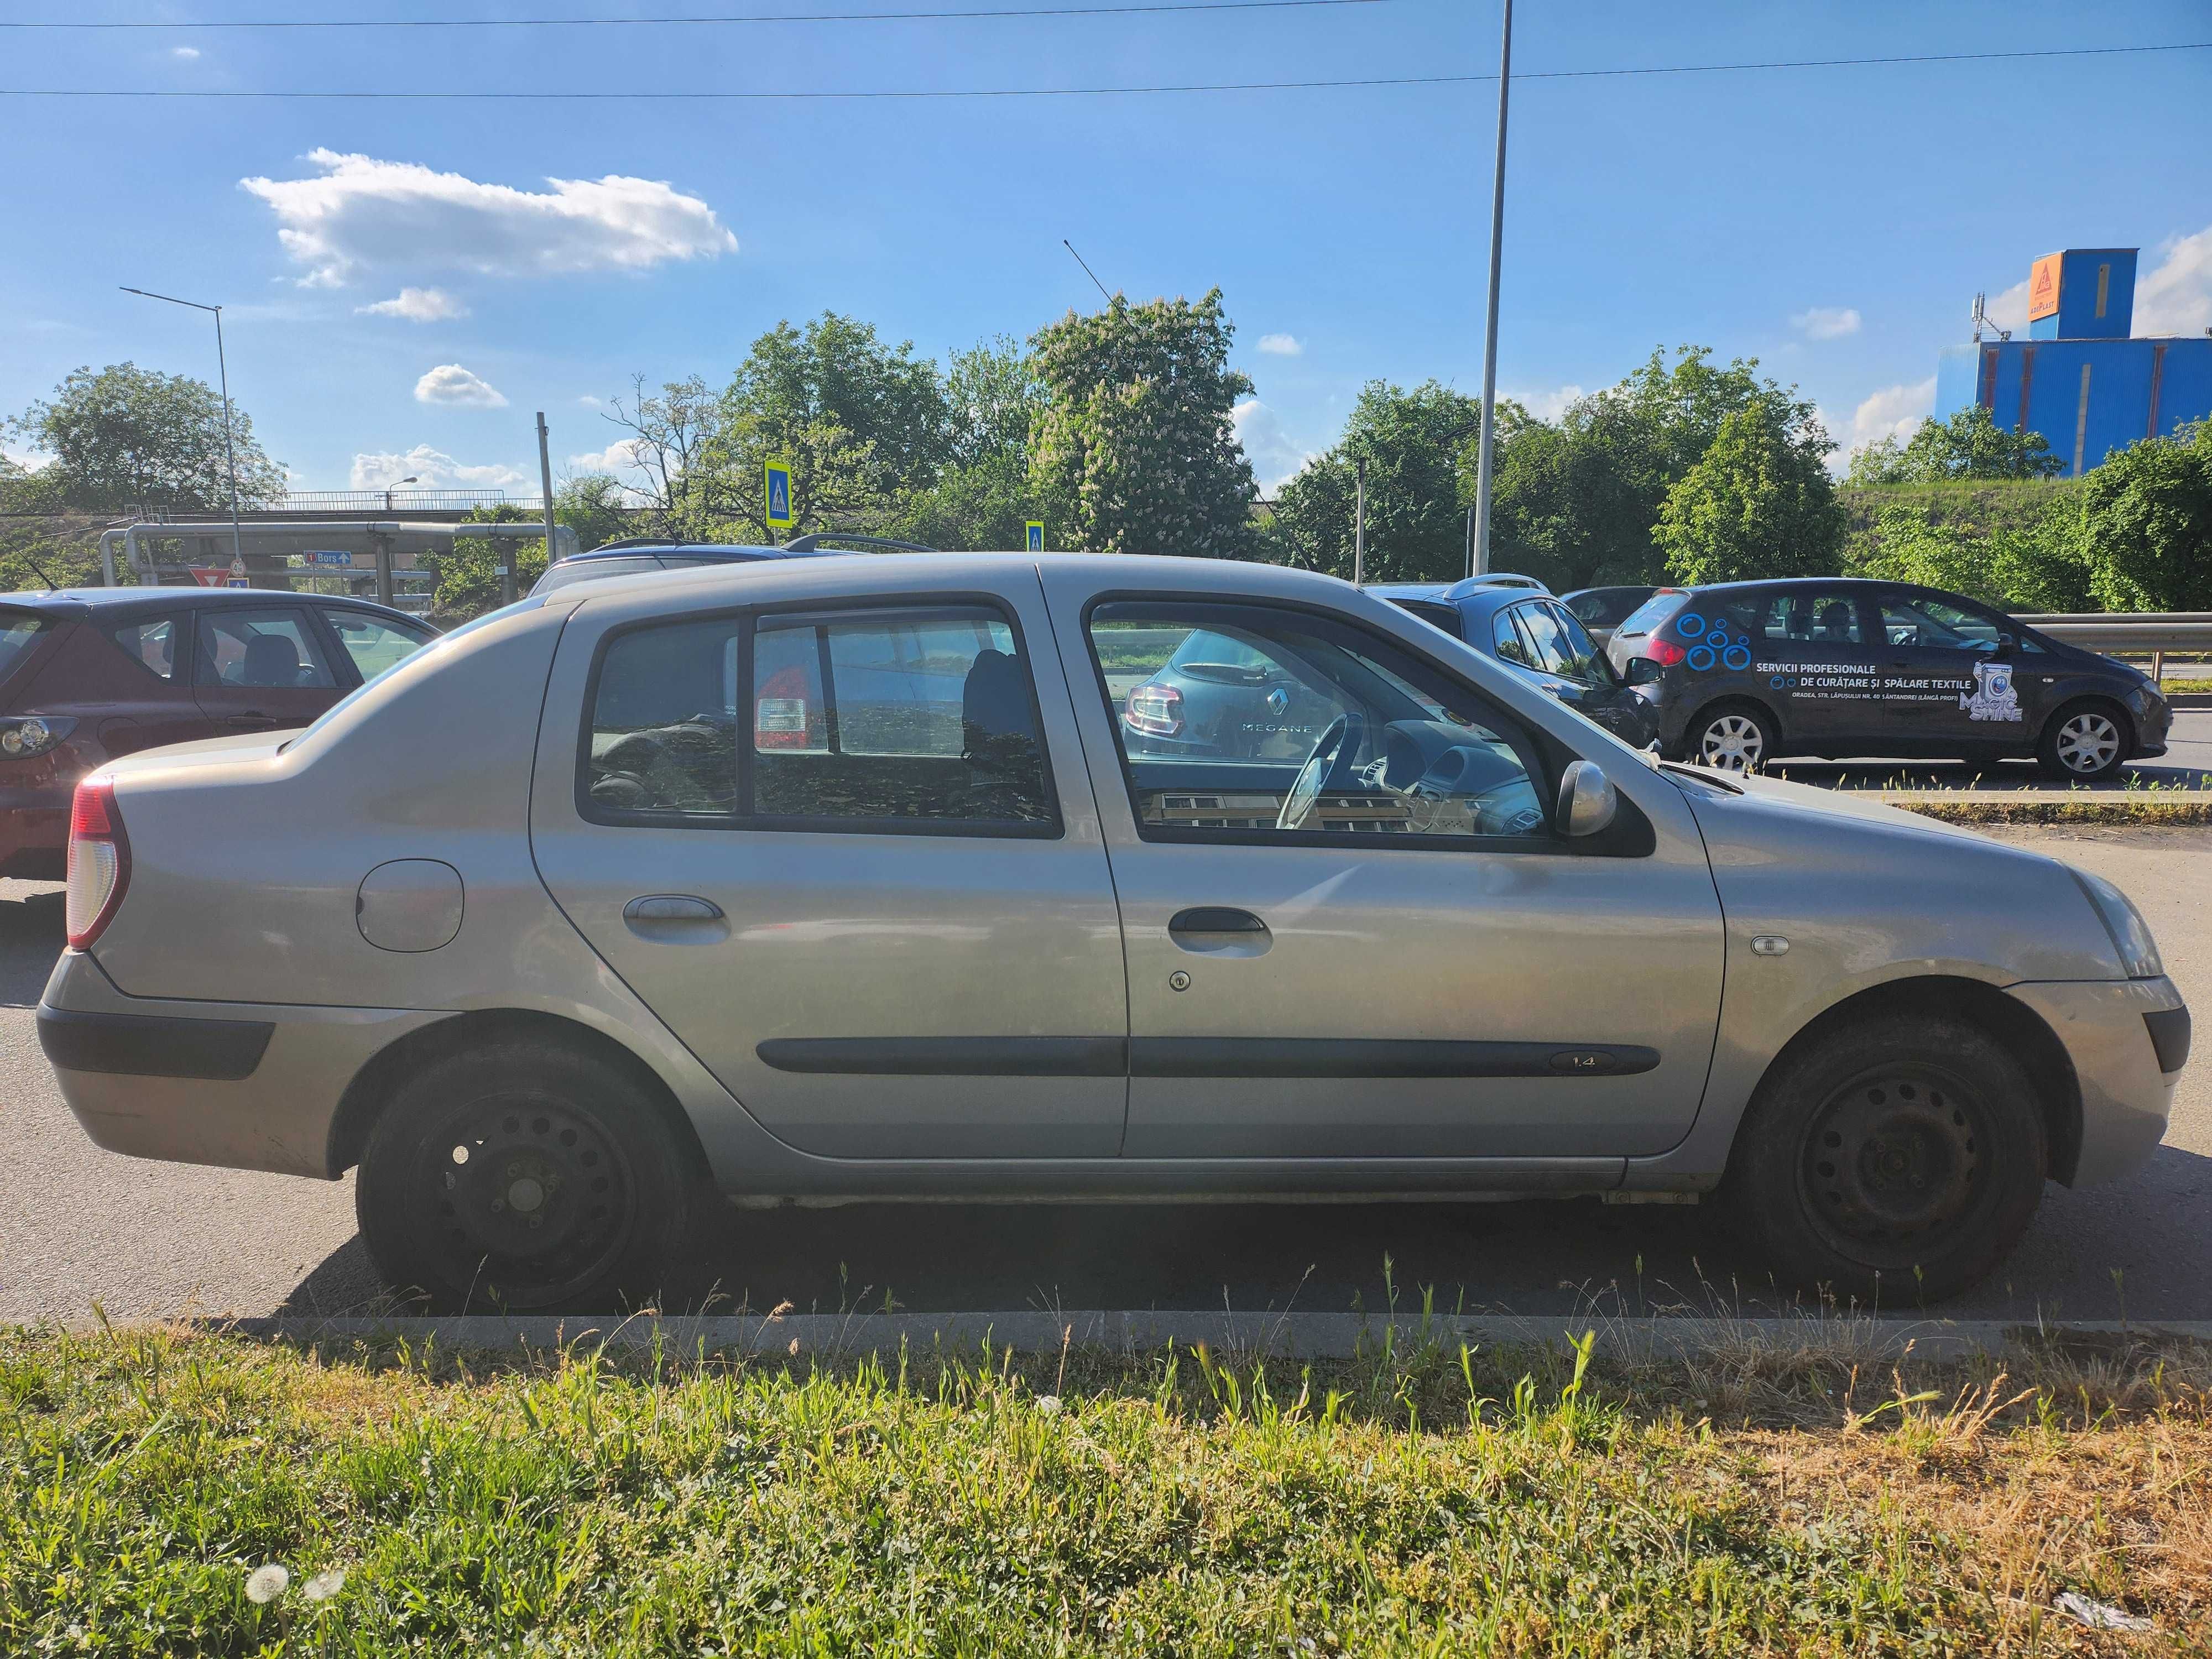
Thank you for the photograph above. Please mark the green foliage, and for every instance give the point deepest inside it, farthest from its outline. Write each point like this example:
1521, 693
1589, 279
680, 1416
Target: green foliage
1411, 442
2145, 527
1757, 503
981, 498
2035, 568
1579, 503
595, 506
465, 580
36, 553
1969, 445
1136, 450
128, 438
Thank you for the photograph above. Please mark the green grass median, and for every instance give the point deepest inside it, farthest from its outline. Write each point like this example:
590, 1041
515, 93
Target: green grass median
1419, 1500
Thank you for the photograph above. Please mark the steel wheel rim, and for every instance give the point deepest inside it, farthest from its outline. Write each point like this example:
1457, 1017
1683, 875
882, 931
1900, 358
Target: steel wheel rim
528, 1196
1732, 743
2088, 742
1894, 1163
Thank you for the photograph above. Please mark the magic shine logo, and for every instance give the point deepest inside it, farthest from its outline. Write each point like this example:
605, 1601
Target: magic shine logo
1993, 697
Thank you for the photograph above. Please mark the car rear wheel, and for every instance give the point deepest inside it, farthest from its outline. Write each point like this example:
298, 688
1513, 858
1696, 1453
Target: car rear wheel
523, 1176
1892, 1162
1730, 737
2084, 742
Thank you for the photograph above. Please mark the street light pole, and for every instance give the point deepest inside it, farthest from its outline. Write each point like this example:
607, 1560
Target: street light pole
222, 369
1490, 345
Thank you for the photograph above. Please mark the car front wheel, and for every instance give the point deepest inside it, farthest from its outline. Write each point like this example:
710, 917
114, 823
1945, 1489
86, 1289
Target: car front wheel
2084, 742
1890, 1162
521, 1176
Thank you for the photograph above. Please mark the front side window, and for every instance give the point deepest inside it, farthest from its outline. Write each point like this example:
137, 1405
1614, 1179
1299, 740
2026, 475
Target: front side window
373, 644
887, 720
1931, 623
1234, 719
260, 650
151, 642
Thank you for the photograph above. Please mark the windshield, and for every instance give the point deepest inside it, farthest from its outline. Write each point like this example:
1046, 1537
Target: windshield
1654, 610
19, 629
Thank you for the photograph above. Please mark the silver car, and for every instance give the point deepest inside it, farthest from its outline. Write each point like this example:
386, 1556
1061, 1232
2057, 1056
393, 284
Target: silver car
860, 878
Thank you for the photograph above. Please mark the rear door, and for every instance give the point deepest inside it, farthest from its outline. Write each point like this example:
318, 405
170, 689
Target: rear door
846, 851
1811, 663
149, 695
260, 669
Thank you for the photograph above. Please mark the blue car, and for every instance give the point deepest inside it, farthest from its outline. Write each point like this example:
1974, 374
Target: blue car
1539, 638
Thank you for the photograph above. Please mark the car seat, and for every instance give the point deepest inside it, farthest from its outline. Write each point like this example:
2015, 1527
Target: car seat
997, 725
270, 659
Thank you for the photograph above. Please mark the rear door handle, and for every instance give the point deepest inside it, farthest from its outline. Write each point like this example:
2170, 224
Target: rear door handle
1219, 931
670, 907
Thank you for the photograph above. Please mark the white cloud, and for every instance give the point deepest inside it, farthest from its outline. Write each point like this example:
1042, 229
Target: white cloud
1547, 405
2009, 310
1281, 345
589, 401
1274, 456
360, 213
433, 469
1895, 411
416, 305
2176, 298
618, 457
451, 385
186, 53
1826, 322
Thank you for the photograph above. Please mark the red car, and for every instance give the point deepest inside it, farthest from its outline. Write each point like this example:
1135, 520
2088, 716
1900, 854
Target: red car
87, 674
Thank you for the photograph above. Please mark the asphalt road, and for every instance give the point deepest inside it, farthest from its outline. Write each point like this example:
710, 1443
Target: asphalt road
80, 1227
2186, 764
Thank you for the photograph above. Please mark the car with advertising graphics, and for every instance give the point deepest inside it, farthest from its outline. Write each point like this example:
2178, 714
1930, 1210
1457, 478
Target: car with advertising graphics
835, 879
1833, 667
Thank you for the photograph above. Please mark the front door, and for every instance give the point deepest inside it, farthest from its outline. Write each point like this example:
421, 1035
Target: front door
1379, 948
1947, 681
849, 857
260, 669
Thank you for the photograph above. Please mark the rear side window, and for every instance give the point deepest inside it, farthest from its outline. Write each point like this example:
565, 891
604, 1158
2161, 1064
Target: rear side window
260, 649
151, 642
897, 720
1806, 616
19, 631
1653, 612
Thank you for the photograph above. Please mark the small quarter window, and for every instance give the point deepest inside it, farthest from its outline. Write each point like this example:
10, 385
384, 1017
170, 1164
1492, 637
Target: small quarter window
151, 642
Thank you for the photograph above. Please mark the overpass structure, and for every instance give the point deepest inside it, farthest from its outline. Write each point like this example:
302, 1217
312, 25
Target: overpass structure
372, 557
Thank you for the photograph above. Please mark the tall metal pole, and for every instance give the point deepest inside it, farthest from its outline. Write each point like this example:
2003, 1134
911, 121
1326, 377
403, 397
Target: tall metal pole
1490, 343
544, 483
1359, 522
222, 369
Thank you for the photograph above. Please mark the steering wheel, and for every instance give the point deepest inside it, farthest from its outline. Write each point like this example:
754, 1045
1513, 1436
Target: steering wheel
1340, 741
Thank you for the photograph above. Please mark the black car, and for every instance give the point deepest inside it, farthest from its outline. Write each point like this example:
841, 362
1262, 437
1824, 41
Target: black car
1539, 638
637, 554
1834, 666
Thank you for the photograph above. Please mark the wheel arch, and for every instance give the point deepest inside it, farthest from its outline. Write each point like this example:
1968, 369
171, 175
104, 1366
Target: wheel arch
1720, 700
373, 1087
2050, 1067
2098, 696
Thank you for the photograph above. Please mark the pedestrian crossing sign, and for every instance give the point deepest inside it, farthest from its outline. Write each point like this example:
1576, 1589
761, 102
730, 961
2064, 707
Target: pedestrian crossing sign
779, 495
1033, 539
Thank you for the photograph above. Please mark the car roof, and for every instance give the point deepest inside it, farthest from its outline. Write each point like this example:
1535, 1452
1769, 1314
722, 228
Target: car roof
77, 601
646, 549
1827, 584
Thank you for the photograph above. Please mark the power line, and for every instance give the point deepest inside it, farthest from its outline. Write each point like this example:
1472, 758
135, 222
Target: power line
480, 95
1159, 7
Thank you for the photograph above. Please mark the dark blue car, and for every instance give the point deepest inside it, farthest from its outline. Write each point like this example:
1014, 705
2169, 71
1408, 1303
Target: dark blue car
1539, 639
640, 554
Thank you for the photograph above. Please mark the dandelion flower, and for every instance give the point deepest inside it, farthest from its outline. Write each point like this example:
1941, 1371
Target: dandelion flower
1048, 1404
324, 1585
265, 1583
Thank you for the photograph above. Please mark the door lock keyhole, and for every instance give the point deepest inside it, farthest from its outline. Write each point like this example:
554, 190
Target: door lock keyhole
1178, 981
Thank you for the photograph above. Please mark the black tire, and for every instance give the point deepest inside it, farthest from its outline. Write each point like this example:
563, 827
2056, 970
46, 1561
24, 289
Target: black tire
2086, 742
1735, 736
523, 1176
1892, 1162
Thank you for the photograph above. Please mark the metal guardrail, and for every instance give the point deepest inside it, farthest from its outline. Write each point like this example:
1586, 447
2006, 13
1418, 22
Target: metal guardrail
2180, 632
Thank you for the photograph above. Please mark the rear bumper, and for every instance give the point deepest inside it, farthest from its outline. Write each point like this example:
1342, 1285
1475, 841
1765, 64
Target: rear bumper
2120, 1060
244, 1086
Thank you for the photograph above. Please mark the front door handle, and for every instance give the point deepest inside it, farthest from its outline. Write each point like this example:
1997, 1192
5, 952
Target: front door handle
252, 717
1219, 930
671, 906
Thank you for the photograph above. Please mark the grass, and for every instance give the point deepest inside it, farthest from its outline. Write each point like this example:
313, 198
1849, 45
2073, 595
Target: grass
1422, 1499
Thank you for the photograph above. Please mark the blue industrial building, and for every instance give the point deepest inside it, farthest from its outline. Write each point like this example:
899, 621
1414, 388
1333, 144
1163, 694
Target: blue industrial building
2078, 379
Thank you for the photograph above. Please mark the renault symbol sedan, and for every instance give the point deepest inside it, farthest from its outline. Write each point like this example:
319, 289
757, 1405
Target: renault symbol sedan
850, 878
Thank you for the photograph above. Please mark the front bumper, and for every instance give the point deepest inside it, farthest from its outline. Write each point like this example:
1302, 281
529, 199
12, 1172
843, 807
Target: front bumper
2127, 1094
244, 1086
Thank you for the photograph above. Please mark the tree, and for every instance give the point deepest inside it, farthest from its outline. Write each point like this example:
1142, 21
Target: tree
595, 506
1416, 488
2145, 525
1136, 449
981, 496
1968, 445
1757, 503
128, 438
2035, 568
671, 435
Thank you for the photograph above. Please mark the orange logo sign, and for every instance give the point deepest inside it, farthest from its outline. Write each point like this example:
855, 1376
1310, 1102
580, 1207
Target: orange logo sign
2043, 287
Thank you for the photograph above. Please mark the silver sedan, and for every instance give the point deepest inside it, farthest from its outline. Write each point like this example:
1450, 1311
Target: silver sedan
860, 878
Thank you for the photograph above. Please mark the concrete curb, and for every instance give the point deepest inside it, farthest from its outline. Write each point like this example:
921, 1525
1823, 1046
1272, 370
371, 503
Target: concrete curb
1297, 1335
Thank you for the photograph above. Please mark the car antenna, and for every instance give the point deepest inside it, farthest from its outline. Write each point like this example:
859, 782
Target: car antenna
53, 587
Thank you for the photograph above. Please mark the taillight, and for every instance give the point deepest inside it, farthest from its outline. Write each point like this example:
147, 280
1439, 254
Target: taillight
1154, 710
1664, 652
99, 861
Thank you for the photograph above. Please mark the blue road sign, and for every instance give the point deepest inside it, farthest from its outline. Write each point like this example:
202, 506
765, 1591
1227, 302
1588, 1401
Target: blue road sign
1034, 535
779, 495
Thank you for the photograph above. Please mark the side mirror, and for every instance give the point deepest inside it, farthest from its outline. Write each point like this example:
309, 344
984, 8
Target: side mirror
1643, 670
1587, 799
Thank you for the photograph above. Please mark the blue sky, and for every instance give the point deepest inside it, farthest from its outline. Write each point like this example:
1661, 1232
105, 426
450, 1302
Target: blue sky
1834, 223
